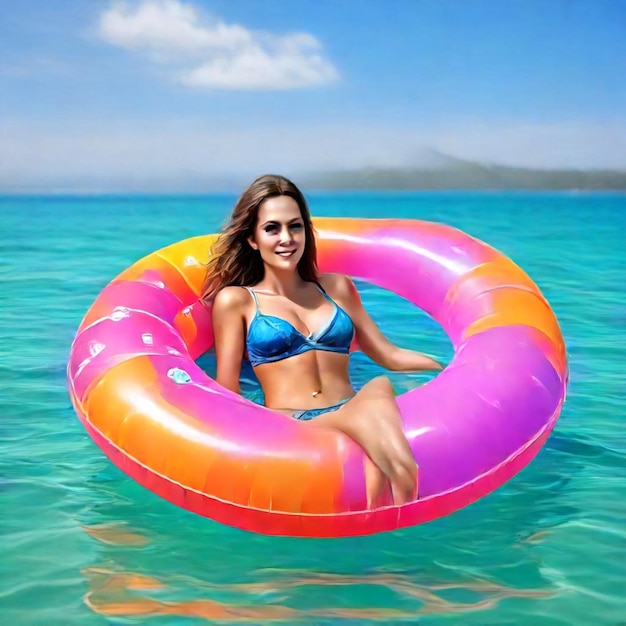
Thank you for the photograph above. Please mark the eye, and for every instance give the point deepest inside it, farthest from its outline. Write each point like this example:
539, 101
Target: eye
270, 228
297, 226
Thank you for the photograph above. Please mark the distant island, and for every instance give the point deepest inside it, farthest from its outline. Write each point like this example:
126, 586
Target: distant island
453, 173
428, 170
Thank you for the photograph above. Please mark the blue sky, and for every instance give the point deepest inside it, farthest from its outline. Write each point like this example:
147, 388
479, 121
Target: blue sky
165, 93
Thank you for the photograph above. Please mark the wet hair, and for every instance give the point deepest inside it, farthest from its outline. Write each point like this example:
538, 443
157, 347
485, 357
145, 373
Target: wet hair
233, 261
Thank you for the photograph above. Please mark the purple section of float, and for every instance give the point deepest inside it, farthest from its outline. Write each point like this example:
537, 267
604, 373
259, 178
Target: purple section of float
498, 393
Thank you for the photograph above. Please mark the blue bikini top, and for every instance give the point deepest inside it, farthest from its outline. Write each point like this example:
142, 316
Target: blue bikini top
271, 338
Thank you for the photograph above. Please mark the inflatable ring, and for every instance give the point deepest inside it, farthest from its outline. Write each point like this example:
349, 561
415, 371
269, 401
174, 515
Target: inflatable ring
136, 387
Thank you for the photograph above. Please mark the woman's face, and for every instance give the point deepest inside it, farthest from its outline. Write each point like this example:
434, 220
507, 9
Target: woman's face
279, 234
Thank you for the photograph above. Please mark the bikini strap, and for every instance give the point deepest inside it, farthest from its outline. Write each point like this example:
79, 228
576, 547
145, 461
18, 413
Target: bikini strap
256, 300
323, 291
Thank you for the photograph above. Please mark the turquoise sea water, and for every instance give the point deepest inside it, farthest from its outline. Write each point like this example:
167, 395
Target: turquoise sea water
83, 544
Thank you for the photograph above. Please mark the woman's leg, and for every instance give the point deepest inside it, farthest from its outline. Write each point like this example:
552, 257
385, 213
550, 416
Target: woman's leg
373, 420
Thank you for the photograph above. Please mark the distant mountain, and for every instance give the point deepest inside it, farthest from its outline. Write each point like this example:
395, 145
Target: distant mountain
439, 171
428, 170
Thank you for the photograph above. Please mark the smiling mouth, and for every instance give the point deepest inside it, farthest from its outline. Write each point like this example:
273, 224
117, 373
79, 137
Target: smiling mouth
286, 253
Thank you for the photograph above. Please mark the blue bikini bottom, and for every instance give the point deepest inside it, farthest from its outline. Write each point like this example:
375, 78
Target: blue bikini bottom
310, 414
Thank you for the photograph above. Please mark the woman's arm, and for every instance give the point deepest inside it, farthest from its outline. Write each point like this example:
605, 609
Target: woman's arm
369, 337
229, 330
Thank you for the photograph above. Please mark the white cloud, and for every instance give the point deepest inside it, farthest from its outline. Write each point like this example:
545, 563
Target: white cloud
205, 52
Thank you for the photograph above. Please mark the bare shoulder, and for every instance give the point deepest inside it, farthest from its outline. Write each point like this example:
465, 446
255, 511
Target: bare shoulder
231, 299
338, 286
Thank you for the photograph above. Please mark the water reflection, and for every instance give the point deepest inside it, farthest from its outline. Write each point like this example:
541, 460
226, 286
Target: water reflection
113, 593
237, 591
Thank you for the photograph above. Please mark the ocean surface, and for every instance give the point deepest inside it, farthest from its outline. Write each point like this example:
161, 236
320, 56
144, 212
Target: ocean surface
82, 543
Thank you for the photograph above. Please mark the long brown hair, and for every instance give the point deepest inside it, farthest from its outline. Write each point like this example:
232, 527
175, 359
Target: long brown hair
233, 261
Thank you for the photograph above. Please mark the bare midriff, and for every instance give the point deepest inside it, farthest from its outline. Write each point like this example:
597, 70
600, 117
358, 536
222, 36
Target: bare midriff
313, 380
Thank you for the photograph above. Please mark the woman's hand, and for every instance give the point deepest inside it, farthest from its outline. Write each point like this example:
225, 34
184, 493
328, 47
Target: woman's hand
401, 360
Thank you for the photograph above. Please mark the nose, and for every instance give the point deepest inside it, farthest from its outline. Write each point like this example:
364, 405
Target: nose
285, 235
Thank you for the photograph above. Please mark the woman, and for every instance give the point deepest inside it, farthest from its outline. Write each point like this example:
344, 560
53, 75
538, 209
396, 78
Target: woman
296, 327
